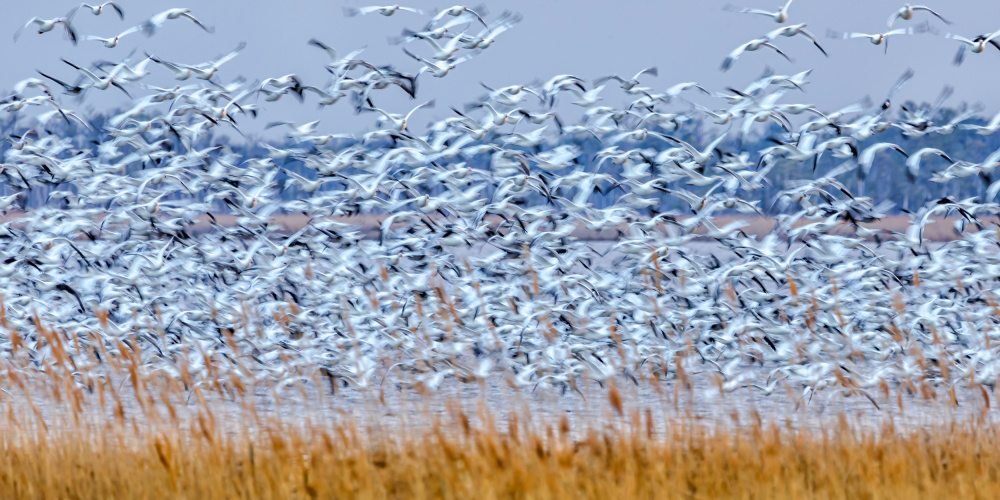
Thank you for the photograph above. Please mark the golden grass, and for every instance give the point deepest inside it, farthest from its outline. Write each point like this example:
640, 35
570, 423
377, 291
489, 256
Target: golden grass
73, 425
472, 456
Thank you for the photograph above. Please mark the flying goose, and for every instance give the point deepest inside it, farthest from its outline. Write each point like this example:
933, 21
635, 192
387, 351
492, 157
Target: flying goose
46, 25
779, 16
906, 13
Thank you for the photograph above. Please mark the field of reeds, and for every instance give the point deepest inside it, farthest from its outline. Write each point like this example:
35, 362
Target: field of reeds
126, 434
458, 459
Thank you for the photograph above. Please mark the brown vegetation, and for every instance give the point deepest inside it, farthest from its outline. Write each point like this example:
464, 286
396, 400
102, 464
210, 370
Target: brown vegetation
96, 422
463, 457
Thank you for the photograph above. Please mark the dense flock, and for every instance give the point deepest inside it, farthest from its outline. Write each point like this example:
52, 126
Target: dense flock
419, 255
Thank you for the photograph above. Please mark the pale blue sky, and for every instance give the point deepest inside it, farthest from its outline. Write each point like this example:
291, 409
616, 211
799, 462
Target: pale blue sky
686, 39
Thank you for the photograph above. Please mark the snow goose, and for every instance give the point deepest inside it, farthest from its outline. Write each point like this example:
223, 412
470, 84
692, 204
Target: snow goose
439, 69
906, 13
631, 82
100, 82
154, 23
779, 16
867, 157
879, 38
112, 42
455, 11
976, 45
752, 45
398, 122
913, 162
99, 9
792, 30
46, 25
386, 10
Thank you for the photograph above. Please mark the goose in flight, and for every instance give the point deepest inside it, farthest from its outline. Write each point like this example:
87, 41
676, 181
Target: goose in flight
46, 25
903, 79
386, 10
699, 157
113, 41
779, 16
976, 45
181, 72
125, 72
339, 65
992, 127
204, 71
512, 95
456, 11
67, 88
750, 46
486, 37
439, 69
297, 131
154, 23
99, 9
906, 13
100, 82
441, 52
630, 83
207, 70
792, 30
879, 38
867, 157
913, 161
399, 122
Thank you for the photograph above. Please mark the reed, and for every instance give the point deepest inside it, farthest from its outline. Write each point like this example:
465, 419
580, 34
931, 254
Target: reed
458, 455
96, 423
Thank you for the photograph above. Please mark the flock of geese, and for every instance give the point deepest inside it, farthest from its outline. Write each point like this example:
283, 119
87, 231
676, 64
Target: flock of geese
454, 253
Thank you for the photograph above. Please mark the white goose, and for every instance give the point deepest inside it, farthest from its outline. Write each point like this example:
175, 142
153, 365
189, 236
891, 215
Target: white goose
99, 9
399, 122
297, 131
699, 157
441, 52
976, 45
154, 23
113, 41
779, 16
100, 82
752, 45
631, 82
207, 70
456, 11
46, 25
439, 69
879, 38
867, 156
386, 10
906, 13
913, 162
792, 30
992, 127
487, 36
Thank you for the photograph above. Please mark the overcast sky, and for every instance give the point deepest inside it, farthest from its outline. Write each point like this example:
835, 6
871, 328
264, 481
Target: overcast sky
686, 39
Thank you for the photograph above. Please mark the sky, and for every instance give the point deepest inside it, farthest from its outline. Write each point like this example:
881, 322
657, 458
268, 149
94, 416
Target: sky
686, 39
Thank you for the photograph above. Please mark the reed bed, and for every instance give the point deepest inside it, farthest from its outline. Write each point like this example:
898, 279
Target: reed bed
194, 451
124, 432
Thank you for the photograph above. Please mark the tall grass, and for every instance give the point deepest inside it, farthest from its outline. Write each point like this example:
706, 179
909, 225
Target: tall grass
458, 455
75, 426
